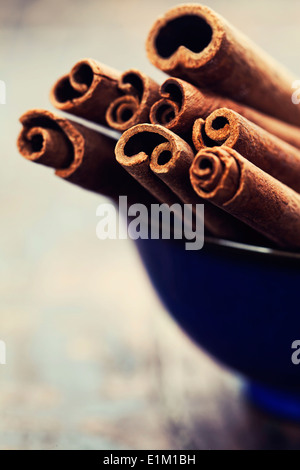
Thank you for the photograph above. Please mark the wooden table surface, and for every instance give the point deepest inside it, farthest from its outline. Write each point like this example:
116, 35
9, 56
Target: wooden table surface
93, 359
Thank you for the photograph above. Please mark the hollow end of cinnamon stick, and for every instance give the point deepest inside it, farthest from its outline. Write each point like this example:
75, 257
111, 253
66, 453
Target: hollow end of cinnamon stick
137, 144
226, 127
220, 128
139, 92
74, 151
230, 181
73, 86
166, 111
146, 148
154, 143
196, 44
186, 35
181, 103
215, 175
43, 140
87, 90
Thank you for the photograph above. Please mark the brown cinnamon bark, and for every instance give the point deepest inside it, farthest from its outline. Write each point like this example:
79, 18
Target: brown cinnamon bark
133, 107
160, 161
181, 103
87, 90
194, 43
224, 177
134, 152
226, 127
81, 156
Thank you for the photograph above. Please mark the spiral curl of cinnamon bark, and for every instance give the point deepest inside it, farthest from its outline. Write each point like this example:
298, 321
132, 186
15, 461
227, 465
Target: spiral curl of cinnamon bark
87, 90
52, 141
231, 182
160, 161
139, 92
79, 155
215, 174
181, 103
225, 127
145, 147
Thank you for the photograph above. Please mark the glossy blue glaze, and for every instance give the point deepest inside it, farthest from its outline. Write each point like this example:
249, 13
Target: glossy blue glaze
240, 306
283, 404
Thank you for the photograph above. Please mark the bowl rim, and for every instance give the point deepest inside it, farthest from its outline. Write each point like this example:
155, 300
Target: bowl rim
238, 246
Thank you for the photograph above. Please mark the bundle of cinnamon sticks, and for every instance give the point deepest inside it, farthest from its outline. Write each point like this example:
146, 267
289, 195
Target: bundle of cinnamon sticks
222, 131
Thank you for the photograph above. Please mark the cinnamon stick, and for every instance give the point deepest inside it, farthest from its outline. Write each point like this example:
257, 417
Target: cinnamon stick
224, 177
133, 107
271, 154
87, 90
196, 44
79, 155
160, 161
134, 152
181, 103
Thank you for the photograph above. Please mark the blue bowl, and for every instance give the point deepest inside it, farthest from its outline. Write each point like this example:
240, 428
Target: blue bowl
240, 303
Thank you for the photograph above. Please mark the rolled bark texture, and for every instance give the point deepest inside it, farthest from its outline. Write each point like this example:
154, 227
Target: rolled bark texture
87, 90
181, 103
196, 44
227, 179
160, 161
225, 127
79, 155
139, 92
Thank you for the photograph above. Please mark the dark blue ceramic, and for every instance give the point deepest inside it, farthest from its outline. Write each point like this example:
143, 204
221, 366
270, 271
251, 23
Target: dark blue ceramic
240, 303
